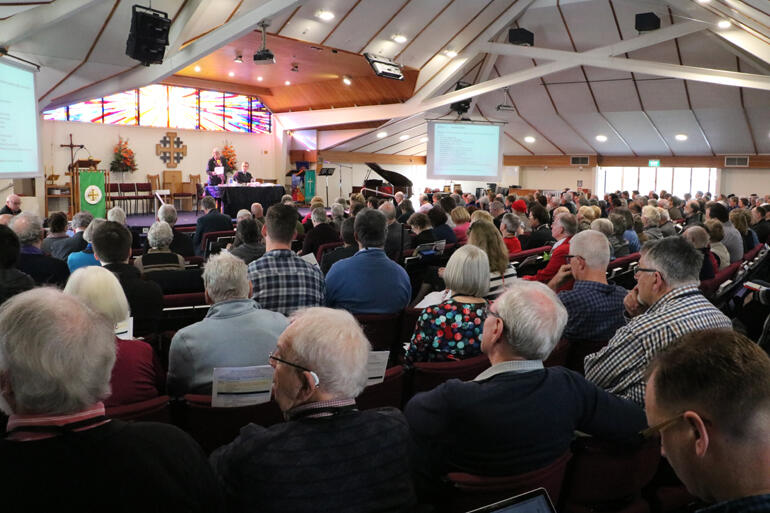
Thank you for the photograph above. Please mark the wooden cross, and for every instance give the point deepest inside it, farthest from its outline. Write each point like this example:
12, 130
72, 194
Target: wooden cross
72, 152
171, 150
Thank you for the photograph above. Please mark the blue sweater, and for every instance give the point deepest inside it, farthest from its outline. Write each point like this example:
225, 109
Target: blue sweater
368, 283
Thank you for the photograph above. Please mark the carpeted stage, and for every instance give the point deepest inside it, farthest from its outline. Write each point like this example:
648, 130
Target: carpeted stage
184, 218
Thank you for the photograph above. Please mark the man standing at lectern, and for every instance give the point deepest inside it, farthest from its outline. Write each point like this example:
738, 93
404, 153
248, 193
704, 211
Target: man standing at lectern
216, 161
12, 205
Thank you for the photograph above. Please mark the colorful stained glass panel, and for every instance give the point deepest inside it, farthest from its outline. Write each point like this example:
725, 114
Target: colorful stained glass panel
236, 113
120, 108
89, 111
59, 114
260, 117
153, 106
212, 110
183, 107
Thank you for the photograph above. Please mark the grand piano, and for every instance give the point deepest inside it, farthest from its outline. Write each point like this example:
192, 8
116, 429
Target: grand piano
394, 182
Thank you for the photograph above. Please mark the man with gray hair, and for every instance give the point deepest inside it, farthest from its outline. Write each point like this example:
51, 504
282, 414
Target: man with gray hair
497, 209
182, 243
44, 269
425, 204
56, 359
397, 238
257, 212
664, 305
80, 222
236, 331
521, 329
323, 232
159, 257
594, 307
368, 282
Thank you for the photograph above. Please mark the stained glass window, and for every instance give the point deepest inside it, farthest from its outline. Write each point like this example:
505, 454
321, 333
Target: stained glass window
183, 107
153, 106
89, 111
59, 114
212, 110
236, 113
260, 117
120, 108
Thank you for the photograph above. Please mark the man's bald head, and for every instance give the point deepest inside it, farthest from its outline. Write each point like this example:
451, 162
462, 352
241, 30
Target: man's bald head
13, 202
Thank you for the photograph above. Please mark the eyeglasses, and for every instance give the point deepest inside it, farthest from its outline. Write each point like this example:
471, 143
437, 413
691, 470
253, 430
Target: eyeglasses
570, 257
655, 430
643, 270
275, 358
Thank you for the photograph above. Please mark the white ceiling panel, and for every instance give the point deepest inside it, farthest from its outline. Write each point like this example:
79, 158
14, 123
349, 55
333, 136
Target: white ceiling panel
572, 98
727, 130
713, 96
760, 124
662, 94
616, 95
704, 52
410, 20
561, 134
589, 125
673, 122
348, 36
638, 132
755, 98
417, 150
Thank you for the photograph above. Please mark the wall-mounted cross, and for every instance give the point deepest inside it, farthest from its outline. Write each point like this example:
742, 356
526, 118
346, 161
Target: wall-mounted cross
171, 150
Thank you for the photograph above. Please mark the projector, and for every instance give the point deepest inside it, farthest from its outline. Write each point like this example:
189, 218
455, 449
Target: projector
384, 67
264, 57
506, 108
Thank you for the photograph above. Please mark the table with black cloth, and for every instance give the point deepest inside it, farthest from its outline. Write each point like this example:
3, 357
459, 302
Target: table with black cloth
234, 198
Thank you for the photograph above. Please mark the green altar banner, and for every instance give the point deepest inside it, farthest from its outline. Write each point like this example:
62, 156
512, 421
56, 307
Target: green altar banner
92, 198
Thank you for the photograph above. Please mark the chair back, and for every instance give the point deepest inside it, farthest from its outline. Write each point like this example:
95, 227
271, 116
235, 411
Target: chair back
522, 255
113, 187
710, 287
388, 393
195, 179
578, 350
213, 427
750, 254
154, 410
127, 188
473, 491
409, 323
143, 187
429, 375
210, 237
180, 310
325, 248
382, 330
181, 281
154, 181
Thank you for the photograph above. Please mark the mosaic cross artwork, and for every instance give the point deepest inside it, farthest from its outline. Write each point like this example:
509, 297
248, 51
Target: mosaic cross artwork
171, 150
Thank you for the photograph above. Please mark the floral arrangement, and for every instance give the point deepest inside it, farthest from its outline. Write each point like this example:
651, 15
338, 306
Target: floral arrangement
228, 152
123, 158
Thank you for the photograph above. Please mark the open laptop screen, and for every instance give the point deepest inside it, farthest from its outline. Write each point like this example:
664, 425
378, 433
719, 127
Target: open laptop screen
535, 501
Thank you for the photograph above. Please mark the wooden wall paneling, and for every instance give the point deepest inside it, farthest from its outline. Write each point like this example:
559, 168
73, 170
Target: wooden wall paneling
380, 158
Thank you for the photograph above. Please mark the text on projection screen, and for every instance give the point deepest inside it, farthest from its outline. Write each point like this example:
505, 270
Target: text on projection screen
464, 150
19, 150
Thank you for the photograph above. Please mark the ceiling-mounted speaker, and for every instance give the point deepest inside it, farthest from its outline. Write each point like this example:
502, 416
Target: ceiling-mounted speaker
646, 22
521, 37
148, 37
462, 106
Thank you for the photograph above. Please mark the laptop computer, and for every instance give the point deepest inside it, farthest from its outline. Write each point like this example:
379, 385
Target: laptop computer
535, 501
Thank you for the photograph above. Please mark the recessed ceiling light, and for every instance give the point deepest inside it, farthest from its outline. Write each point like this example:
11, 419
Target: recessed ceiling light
324, 15
404, 137
450, 53
259, 79
680, 137
529, 139
425, 139
231, 74
399, 38
601, 138
197, 69
381, 135
287, 83
346, 80
724, 24
703, 1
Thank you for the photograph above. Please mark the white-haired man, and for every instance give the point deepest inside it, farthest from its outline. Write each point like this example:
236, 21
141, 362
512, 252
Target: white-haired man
12, 205
348, 457
594, 307
397, 239
236, 331
521, 329
56, 358
44, 269
323, 232
182, 243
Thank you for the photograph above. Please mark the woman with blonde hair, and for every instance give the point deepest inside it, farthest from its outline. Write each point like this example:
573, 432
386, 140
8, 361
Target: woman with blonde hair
486, 236
585, 216
462, 220
482, 215
741, 219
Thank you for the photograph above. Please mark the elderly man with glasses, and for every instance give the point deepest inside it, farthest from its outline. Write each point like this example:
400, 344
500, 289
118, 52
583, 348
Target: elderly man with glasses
488, 426
328, 455
664, 305
708, 397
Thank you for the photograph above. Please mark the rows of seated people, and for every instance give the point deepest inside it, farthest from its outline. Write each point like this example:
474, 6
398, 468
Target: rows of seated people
61, 364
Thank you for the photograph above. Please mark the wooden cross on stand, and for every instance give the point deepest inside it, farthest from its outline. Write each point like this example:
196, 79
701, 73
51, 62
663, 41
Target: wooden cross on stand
171, 150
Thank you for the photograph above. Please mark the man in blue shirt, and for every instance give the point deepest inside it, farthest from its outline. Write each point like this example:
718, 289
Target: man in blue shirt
368, 282
594, 307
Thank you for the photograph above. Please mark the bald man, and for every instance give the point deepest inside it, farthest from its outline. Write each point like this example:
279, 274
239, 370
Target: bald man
12, 205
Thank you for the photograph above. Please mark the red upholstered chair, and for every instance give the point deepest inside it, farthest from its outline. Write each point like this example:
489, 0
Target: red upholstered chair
473, 491
429, 375
710, 287
752, 253
155, 410
128, 193
325, 248
213, 427
144, 194
180, 310
522, 255
388, 393
609, 477
211, 237
383, 332
194, 260
409, 323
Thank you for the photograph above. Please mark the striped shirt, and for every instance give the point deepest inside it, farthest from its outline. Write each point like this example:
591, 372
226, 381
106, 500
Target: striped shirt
619, 367
283, 282
499, 282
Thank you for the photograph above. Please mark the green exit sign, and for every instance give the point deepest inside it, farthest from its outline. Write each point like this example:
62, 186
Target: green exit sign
653, 163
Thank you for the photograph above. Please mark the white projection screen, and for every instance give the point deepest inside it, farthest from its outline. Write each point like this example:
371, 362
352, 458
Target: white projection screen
19, 119
464, 151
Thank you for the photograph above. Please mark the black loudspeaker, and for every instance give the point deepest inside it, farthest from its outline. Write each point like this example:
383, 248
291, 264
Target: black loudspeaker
521, 37
148, 38
461, 107
646, 22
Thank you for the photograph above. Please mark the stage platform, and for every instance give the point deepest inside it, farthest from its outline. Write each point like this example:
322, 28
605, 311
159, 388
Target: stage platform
184, 218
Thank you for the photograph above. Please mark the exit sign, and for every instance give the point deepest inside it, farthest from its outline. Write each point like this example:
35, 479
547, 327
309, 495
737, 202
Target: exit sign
653, 163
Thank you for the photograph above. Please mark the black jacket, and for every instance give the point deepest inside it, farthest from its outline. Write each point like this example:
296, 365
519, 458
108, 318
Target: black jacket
44, 269
214, 221
145, 298
62, 248
541, 236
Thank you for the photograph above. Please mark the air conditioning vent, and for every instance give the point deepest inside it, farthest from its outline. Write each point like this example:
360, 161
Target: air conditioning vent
736, 162
578, 161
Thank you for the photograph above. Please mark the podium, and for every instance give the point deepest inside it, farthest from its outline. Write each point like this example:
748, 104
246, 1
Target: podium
74, 172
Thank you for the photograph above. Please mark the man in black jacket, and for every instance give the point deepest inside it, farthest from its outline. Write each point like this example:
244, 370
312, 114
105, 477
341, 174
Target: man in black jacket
182, 243
211, 221
12, 281
44, 269
112, 247
80, 222
541, 232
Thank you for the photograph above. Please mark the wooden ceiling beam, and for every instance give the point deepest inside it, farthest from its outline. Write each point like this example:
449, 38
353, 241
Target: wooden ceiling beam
230, 87
360, 158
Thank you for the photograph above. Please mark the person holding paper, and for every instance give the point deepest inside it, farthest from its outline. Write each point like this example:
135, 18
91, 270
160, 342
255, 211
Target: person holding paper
217, 167
328, 455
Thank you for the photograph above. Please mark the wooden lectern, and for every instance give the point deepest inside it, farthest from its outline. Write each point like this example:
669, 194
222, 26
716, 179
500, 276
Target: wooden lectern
75, 180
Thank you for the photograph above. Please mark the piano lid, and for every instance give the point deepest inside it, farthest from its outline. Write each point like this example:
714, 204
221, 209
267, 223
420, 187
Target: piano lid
395, 179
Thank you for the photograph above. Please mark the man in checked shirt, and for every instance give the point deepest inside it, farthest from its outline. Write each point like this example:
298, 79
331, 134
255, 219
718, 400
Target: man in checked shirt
664, 305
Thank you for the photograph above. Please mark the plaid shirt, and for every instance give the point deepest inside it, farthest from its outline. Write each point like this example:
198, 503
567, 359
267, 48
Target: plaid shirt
595, 310
284, 283
619, 367
753, 504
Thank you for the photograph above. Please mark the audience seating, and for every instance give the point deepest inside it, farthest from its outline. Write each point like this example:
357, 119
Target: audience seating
325, 248
388, 393
128, 193
115, 196
209, 238
752, 253
473, 491
522, 255
213, 427
144, 194
155, 410
409, 323
181, 281
429, 375
180, 310
383, 332
710, 287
